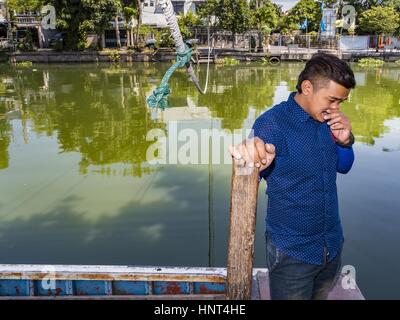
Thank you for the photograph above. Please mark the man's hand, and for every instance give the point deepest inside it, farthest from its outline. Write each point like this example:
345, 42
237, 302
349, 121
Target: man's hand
340, 126
254, 152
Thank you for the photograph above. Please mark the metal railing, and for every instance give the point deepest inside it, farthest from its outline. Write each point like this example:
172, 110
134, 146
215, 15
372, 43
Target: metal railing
27, 20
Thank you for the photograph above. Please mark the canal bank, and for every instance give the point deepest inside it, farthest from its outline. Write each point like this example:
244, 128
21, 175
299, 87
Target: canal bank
200, 56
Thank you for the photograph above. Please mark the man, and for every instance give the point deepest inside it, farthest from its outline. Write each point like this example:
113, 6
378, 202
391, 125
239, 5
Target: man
299, 146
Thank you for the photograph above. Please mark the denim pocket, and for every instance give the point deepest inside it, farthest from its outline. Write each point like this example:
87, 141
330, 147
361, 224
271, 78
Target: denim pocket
273, 255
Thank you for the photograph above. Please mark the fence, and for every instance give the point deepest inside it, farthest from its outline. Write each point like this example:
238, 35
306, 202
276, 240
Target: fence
224, 39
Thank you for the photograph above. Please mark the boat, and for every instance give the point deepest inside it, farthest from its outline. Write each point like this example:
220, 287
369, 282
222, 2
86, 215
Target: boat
93, 282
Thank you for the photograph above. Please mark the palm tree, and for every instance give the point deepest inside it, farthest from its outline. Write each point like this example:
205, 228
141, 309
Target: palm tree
130, 13
138, 7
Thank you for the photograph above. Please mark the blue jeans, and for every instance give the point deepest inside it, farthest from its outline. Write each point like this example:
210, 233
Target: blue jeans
292, 279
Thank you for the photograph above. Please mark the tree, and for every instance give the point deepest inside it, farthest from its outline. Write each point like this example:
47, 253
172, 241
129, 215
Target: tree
393, 3
100, 13
378, 20
231, 15
130, 13
187, 21
304, 9
77, 17
25, 6
263, 17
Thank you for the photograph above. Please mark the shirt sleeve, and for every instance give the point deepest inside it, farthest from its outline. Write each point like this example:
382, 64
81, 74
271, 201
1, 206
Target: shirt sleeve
345, 159
266, 129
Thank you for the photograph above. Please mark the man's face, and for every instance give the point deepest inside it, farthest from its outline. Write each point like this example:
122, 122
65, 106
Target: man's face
327, 97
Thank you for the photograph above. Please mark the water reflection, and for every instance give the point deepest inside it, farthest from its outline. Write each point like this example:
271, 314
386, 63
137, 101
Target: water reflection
76, 188
101, 112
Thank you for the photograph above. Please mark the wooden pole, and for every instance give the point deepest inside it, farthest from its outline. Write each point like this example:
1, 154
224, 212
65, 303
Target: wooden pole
242, 231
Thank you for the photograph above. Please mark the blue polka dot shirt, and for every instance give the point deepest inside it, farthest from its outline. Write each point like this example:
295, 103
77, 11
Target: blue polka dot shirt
302, 213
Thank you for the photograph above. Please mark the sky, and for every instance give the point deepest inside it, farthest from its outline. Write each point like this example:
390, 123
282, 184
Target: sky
286, 4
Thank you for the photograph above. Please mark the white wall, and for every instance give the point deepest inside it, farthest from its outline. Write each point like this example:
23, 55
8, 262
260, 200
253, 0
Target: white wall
354, 42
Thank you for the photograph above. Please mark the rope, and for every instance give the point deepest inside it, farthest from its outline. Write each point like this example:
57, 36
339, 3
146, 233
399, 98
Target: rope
159, 98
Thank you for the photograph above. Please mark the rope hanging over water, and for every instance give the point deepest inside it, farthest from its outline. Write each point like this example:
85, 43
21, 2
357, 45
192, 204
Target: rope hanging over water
159, 98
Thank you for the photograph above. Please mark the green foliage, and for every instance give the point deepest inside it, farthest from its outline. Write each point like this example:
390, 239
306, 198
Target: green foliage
3, 88
80, 16
379, 20
235, 16
186, 22
144, 31
130, 12
264, 17
25, 44
370, 62
227, 61
115, 55
303, 9
232, 15
25, 6
166, 40
24, 64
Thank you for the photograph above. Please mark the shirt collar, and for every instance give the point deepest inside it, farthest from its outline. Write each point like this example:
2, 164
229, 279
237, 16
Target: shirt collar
296, 110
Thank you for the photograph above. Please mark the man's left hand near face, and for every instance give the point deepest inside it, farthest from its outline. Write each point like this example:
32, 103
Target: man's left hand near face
340, 126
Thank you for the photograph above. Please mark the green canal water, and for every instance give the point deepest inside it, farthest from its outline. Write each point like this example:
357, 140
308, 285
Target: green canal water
76, 188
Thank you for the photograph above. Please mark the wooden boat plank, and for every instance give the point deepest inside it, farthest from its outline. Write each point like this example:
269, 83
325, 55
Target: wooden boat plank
108, 282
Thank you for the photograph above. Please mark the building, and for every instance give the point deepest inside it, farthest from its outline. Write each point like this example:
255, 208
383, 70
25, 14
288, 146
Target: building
2, 11
152, 13
3, 20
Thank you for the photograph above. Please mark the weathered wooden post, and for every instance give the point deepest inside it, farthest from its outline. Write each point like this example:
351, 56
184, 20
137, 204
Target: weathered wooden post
242, 231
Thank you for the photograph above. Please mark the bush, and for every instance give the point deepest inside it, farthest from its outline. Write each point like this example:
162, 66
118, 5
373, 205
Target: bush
227, 61
24, 64
370, 62
166, 40
115, 55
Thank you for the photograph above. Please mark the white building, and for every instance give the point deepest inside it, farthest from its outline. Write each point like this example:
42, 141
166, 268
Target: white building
152, 14
3, 21
2, 12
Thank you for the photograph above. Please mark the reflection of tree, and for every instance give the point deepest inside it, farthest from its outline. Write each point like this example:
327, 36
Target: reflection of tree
5, 132
101, 112
371, 105
5, 128
96, 112
234, 90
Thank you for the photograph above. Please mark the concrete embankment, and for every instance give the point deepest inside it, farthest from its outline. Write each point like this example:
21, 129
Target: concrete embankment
167, 55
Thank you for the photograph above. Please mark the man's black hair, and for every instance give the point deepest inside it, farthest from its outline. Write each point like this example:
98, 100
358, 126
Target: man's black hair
323, 67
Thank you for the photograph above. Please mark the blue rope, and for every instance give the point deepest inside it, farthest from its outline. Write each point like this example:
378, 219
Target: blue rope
159, 98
